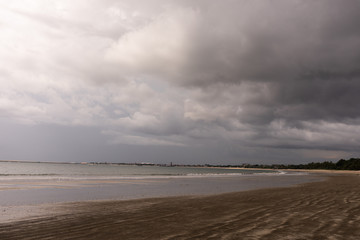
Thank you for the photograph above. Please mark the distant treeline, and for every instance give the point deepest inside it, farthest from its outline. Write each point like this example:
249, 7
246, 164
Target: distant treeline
351, 164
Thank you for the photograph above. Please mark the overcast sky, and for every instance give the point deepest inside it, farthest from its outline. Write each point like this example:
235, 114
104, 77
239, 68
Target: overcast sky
187, 81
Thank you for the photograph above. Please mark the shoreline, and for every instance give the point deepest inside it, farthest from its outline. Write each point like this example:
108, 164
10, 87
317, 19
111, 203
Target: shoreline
316, 210
37, 191
328, 171
33, 199
189, 166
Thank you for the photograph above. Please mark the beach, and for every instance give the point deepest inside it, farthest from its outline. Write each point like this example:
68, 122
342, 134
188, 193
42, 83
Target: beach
328, 209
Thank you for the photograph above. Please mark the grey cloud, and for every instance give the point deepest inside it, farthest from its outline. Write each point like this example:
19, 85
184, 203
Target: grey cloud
334, 99
258, 76
273, 41
306, 53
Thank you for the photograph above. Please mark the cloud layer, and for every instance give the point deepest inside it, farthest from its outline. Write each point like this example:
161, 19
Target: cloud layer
262, 75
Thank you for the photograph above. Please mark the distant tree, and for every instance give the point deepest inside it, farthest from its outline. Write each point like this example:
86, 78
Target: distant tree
351, 164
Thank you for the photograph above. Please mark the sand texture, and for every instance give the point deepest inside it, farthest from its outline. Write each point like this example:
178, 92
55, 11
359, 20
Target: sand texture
324, 210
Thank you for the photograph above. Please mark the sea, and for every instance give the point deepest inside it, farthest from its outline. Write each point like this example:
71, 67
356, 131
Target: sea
27, 183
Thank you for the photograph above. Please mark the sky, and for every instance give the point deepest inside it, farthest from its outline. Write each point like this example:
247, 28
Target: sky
188, 82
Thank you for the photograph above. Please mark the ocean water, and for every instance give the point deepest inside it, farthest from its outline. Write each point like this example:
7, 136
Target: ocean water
24, 183
31, 170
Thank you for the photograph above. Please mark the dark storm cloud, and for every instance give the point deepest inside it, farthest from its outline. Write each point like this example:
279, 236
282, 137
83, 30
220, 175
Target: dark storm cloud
275, 40
306, 52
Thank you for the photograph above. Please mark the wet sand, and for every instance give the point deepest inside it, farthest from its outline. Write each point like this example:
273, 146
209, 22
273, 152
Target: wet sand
322, 210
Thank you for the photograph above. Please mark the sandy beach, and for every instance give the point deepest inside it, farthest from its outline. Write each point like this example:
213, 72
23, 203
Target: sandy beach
328, 209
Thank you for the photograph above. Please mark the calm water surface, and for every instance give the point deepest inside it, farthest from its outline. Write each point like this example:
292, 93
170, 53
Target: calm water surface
35, 183
21, 170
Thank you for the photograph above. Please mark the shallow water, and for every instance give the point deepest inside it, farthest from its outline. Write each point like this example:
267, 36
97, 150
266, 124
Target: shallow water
23, 170
39, 183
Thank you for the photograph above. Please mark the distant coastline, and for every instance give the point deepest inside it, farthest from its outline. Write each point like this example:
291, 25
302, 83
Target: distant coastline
351, 165
326, 171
